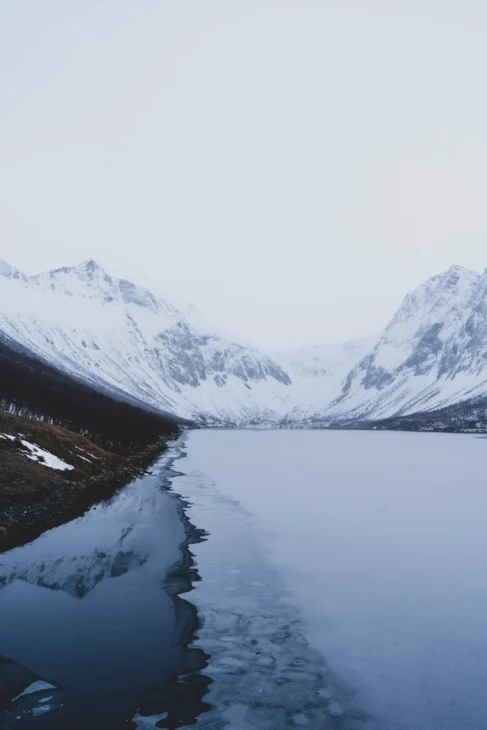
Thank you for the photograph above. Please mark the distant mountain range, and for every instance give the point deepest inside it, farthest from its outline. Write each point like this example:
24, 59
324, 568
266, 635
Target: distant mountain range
124, 340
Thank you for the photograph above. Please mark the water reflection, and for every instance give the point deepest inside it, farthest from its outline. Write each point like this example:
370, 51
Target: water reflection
91, 607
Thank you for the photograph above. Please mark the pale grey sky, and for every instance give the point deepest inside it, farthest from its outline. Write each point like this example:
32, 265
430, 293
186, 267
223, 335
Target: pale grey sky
292, 168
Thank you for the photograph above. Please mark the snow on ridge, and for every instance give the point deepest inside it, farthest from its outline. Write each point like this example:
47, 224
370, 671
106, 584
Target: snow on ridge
10, 272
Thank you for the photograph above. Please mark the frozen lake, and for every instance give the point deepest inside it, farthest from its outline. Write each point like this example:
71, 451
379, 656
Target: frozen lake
343, 581
342, 587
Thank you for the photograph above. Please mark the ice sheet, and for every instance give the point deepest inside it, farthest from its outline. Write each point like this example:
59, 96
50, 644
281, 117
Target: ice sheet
349, 566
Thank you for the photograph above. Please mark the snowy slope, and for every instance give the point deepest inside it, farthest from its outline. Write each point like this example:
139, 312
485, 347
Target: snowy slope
317, 373
112, 333
433, 352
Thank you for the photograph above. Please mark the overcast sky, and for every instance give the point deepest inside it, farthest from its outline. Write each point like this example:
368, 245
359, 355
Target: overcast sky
290, 167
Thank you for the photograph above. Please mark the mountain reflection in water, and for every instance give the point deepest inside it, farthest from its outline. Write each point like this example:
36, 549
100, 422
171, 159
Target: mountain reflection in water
92, 608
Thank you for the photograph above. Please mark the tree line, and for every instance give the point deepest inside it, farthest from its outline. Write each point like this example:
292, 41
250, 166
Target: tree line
31, 388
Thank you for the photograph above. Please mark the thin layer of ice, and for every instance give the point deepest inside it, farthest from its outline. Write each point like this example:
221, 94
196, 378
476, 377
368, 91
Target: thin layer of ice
266, 674
39, 686
368, 545
148, 723
42, 710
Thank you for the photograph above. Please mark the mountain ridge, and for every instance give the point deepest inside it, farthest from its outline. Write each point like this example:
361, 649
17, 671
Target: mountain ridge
112, 333
119, 336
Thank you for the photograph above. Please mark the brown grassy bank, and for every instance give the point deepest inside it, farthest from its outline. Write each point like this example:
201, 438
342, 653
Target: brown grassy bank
35, 497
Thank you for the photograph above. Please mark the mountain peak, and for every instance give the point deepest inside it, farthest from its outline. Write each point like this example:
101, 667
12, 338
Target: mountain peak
9, 271
90, 266
456, 280
457, 270
89, 270
5, 268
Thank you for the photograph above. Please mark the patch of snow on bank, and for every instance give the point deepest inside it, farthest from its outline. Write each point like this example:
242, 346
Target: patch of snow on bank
45, 457
92, 456
84, 458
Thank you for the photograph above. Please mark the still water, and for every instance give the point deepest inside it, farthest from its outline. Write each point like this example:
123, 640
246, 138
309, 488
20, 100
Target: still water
90, 608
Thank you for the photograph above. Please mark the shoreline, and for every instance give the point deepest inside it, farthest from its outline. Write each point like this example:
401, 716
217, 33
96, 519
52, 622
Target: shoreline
179, 695
25, 514
185, 694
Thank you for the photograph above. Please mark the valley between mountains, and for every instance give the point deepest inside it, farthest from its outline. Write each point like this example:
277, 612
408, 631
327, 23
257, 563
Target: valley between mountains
123, 340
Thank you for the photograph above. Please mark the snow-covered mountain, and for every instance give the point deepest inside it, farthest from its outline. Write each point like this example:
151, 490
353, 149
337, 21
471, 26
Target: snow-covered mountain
114, 334
317, 374
432, 354
118, 336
